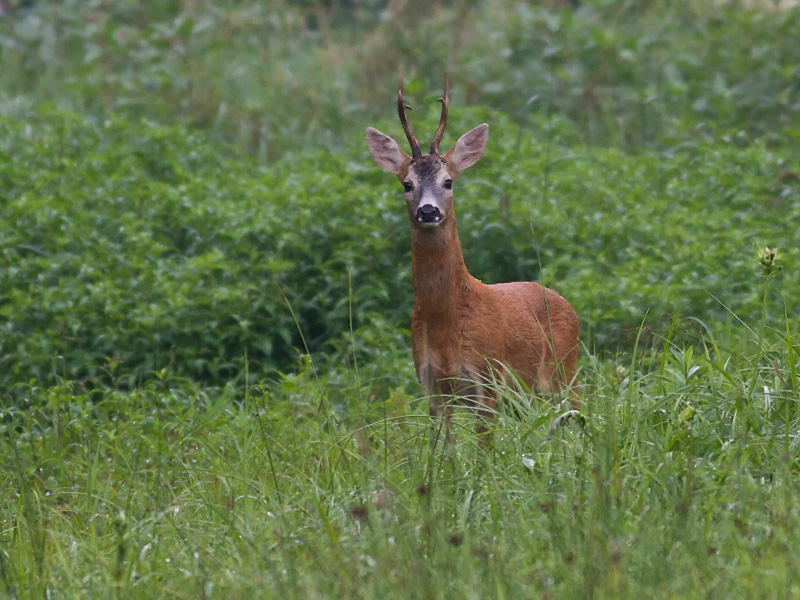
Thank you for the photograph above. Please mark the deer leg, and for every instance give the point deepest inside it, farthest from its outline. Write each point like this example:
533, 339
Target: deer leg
441, 410
567, 369
558, 368
479, 398
484, 415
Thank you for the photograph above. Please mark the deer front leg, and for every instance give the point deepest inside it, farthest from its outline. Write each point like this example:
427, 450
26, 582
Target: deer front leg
478, 397
441, 409
439, 403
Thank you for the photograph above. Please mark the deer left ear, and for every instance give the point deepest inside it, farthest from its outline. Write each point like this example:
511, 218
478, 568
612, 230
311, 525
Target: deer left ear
468, 149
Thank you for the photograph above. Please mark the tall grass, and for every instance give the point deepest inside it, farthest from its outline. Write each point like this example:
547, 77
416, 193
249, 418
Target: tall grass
681, 481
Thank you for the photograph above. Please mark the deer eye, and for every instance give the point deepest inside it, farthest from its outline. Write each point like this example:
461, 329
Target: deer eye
448, 184
408, 186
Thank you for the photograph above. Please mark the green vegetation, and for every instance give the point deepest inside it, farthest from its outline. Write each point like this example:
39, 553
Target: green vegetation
146, 247
281, 76
206, 386
683, 484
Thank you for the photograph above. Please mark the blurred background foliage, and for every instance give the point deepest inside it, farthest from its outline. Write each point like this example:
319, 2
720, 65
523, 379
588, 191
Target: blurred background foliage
279, 77
186, 185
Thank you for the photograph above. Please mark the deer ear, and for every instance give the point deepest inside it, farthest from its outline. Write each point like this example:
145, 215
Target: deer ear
385, 151
468, 148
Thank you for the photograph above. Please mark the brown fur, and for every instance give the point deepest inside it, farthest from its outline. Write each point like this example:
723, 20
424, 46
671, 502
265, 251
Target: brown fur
464, 332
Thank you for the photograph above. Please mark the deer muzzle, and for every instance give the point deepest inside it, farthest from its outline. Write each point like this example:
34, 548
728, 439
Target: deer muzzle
429, 216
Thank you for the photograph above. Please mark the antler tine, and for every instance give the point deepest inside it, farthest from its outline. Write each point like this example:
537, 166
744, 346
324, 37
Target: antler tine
401, 111
445, 100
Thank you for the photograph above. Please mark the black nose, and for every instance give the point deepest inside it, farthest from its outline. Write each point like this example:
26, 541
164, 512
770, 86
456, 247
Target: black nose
428, 214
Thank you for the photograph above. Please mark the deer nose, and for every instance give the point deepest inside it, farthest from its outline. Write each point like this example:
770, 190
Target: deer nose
428, 213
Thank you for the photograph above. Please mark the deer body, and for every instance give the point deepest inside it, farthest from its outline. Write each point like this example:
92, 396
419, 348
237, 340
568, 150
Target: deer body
464, 332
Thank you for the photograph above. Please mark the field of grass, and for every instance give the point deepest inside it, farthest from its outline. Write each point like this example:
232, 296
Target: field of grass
206, 385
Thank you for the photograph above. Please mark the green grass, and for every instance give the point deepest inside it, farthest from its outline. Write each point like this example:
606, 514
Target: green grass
206, 384
682, 483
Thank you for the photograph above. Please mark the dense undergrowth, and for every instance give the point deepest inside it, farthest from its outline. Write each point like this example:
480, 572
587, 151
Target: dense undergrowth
129, 248
206, 387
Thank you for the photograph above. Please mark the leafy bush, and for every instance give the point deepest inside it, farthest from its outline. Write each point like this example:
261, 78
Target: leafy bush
132, 247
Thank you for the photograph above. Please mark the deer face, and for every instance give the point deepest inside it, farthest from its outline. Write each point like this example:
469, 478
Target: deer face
428, 180
428, 187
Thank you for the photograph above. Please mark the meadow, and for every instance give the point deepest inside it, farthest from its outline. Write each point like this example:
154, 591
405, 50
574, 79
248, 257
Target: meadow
206, 384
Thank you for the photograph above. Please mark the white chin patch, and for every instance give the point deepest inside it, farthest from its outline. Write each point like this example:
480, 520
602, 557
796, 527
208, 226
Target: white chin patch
430, 225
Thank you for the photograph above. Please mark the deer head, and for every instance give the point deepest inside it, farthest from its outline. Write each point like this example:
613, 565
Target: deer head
427, 178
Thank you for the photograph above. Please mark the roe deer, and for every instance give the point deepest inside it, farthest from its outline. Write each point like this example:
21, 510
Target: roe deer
464, 332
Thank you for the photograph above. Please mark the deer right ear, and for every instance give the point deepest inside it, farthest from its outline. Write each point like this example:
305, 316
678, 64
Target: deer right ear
386, 152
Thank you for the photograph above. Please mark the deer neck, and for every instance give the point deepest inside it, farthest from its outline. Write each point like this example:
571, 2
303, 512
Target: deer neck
438, 269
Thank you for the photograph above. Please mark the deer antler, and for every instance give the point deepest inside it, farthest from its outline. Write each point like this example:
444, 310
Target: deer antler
445, 100
401, 111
